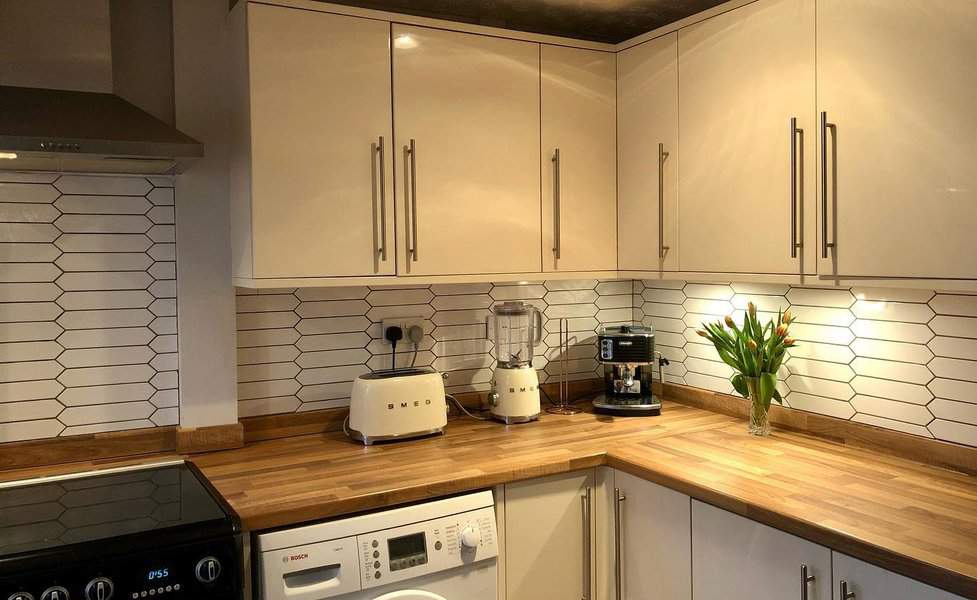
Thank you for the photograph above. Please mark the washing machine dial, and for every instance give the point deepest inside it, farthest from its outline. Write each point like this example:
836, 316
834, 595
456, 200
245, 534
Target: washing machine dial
469, 537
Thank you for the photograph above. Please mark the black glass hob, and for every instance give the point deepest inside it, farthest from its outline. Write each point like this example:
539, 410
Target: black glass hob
158, 532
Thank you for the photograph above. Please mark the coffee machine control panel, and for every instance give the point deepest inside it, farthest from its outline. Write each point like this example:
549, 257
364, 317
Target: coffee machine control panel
607, 349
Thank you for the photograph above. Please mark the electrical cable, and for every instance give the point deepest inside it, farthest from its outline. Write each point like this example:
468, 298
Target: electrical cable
465, 410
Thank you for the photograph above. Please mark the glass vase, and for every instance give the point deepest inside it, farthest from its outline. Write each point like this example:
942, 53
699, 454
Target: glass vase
759, 419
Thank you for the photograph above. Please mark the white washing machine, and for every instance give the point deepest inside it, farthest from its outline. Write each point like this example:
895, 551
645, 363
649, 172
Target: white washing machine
441, 550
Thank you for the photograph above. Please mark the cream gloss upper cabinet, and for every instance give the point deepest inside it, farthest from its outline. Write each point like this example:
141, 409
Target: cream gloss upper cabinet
311, 163
466, 110
734, 558
578, 159
647, 156
747, 175
898, 87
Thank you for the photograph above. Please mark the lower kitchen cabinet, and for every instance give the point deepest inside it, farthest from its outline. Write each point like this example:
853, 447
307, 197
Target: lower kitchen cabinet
653, 539
549, 537
868, 582
734, 558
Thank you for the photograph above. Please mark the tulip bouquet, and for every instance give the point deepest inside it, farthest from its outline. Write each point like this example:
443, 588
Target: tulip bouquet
755, 352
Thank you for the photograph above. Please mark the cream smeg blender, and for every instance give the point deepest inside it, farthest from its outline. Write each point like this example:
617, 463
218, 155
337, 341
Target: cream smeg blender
518, 328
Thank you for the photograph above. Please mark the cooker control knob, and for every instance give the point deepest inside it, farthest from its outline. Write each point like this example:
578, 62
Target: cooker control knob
100, 588
55, 593
470, 537
20, 596
208, 569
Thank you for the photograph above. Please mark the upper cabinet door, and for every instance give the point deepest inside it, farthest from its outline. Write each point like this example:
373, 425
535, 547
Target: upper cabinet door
467, 126
734, 558
578, 154
746, 194
898, 87
647, 156
321, 192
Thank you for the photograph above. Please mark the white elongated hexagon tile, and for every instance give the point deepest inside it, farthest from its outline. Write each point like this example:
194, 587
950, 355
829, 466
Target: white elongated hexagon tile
87, 308
899, 359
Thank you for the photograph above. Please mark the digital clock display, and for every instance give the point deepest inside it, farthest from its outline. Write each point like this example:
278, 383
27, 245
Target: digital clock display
158, 574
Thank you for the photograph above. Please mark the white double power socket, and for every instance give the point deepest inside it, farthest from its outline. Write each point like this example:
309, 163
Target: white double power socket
405, 323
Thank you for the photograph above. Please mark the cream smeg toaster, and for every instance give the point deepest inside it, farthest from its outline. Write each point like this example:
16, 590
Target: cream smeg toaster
397, 404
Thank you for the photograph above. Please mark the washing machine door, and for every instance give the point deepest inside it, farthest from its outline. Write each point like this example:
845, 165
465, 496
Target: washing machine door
410, 595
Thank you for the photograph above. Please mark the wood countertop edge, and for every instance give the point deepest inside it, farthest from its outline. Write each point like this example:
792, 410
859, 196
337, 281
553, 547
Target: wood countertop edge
914, 568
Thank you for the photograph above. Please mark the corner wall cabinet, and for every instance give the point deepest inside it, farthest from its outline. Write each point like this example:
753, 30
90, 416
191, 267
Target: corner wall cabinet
578, 159
311, 168
647, 155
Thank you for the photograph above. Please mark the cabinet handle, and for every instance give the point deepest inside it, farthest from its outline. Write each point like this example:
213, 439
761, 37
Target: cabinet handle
806, 580
825, 126
411, 202
556, 203
795, 133
845, 593
587, 542
381, 153
619, 499
662, 157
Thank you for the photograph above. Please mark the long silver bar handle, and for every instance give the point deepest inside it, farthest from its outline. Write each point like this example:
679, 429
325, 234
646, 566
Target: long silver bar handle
586, 500
806, 580
381, 152
825, 126
556, 203
846, 594
619, 499
662, 157
794, 133
412, 247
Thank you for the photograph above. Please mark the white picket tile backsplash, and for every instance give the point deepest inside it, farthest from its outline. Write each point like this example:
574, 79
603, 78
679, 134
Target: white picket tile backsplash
87, 305
899, 359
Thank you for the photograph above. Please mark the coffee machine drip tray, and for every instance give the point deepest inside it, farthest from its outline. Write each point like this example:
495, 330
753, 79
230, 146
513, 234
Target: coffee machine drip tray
624, 406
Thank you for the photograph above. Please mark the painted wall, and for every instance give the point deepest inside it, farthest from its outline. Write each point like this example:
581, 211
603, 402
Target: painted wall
88, 331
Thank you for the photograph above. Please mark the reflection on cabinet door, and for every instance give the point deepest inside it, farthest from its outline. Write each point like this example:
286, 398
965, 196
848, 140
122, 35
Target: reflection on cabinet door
868, 582
899, 99
466, 110
578, 120
734, 558
747, 178
549, 533
321, 190
653, 544
647, 156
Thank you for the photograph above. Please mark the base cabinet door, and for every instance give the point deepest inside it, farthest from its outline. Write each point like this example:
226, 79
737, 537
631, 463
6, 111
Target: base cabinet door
746, 174
549, 537
734, 558
896, 85
466, 115
653, 540
647, 156
578, 159
868, 582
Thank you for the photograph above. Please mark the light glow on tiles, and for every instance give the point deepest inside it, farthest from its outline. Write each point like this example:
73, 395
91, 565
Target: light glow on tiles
8, 155
405, 41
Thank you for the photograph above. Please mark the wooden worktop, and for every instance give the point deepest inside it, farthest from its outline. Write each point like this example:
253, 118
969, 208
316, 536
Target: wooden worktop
915, 519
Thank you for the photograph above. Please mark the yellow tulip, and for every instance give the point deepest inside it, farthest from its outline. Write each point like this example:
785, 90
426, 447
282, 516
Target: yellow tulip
729, 321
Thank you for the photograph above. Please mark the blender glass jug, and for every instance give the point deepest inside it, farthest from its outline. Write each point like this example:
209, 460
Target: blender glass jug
518, 328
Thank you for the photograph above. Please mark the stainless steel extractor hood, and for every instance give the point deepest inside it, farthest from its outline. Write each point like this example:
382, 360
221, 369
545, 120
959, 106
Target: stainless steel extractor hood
58, 130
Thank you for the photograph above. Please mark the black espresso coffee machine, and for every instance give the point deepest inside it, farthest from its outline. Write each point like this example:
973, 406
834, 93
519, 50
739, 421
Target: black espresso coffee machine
628, 355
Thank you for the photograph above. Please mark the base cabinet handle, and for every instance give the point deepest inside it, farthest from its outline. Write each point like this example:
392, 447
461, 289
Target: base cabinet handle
619, 499
846, 594
806, 580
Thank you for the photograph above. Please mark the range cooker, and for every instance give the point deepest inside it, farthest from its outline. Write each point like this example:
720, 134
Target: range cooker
155, 532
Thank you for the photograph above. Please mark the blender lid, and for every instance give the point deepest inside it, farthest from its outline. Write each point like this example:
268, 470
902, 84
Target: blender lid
512, 309
627, 330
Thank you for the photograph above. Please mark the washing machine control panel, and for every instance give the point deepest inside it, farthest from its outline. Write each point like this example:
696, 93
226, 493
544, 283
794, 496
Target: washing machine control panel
413, 550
